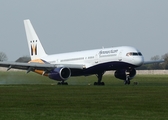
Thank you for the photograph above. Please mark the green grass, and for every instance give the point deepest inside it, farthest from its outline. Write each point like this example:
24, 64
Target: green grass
33, 97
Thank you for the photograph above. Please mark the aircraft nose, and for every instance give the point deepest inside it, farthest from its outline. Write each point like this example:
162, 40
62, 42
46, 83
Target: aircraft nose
139, 61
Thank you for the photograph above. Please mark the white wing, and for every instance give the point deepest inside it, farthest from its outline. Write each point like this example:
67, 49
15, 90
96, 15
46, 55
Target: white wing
153, 61
39, 66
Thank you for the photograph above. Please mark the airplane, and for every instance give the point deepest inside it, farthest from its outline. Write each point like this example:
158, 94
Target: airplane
123, 60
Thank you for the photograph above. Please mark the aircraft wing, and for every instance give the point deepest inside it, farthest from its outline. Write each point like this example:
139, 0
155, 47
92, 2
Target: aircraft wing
153, 61
39, 66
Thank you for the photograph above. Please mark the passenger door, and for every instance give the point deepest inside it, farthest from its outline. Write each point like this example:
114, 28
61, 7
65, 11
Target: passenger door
120, 55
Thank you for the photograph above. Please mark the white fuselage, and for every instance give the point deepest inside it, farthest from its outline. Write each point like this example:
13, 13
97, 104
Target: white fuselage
91, 58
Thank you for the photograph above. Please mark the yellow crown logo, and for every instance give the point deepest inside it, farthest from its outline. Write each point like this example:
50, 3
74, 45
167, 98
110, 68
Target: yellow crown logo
33, 49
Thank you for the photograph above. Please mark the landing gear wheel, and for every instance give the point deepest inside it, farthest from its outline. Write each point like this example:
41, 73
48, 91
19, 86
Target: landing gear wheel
101, 83
62, 83
99, 76
127, 82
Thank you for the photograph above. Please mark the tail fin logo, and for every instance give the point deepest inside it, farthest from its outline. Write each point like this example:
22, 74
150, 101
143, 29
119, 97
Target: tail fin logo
34, 49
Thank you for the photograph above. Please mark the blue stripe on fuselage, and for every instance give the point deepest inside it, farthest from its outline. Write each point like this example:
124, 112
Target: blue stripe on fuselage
115, 65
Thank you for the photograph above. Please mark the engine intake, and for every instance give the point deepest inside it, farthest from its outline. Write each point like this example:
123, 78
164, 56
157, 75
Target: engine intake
60, 74
121, 74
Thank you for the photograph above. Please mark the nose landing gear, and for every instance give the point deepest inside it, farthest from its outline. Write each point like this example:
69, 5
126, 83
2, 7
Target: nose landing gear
127, 80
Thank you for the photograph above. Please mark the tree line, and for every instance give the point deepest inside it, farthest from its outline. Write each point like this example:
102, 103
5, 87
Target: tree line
24, 59
156, 66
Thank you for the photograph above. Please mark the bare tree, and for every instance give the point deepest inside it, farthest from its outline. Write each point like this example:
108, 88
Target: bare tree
3, 57
155, 65
165, 64
156, 57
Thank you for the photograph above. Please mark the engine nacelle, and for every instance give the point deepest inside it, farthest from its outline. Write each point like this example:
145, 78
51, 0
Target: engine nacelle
60, 74
121, 74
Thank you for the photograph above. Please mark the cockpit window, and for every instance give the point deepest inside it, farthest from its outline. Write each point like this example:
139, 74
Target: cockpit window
140, 53
134, 54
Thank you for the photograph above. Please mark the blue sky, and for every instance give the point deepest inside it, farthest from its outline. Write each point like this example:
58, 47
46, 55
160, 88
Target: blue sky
74, 25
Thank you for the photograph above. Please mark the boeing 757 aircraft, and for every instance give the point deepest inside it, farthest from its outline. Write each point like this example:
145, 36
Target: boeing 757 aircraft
123, 60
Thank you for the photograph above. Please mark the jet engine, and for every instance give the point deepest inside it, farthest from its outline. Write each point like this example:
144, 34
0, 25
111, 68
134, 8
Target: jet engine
123, 73
60, 74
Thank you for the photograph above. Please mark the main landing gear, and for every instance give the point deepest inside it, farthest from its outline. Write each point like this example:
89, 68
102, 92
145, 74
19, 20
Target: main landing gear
127, 80
99, 76
62, 83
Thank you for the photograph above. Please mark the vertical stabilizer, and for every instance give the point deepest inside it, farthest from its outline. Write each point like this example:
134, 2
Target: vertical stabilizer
35, 47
